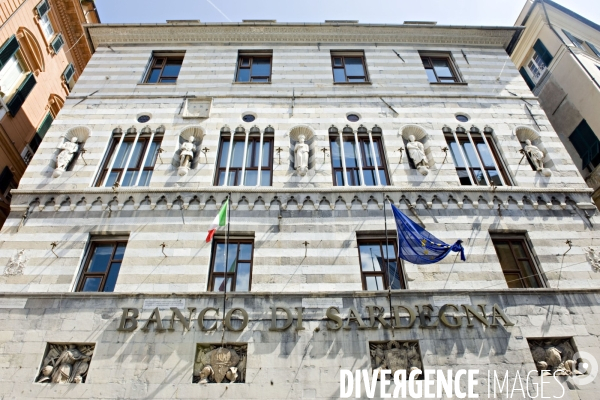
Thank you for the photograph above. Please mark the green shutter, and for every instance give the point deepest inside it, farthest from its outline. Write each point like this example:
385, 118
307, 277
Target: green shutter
42, 8
6, 178
572, 38
586, 143
57, 43
41, 132
69, 72
543, 52
528, 80
9, 48
15, 103
594, 49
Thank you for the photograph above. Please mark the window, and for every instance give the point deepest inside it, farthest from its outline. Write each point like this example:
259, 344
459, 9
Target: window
358, 158
69, 76
476, 158
130, 159
254, 67
239, 271
576, 41
10, 75
440, 68
379, 272
587, 145
519, 267
102, 265
248, 161
15, 81
349, 67
6, 183
47, 26
164, 68
41, 132
57, 43
536, 67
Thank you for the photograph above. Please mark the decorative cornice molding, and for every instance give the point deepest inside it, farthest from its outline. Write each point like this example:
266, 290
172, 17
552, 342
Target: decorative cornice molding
297, 34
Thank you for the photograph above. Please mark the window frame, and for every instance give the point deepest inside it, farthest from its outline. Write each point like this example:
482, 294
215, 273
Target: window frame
212, 274
488, 140
252, 55
350, 54
539, 64
446, 56
92, 245
522, 238
365, 239
152, 65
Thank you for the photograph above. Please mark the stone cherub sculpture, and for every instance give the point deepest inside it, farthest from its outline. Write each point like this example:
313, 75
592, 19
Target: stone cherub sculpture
416, 151
535, 155
67, 152
301, 152
186, 156
66, 363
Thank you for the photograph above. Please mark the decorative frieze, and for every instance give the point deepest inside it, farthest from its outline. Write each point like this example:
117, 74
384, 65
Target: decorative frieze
66, 363
220, 363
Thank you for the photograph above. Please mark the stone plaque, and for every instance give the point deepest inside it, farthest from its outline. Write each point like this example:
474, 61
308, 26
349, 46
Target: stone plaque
164, 304
322, 302
197, 108
66, 363
13, 303
216, 363
396, 355
452, 299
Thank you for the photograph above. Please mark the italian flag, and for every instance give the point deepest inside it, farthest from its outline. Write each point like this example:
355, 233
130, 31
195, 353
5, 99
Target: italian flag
220, 220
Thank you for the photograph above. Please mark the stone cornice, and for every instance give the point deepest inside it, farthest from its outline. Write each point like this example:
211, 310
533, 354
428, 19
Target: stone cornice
165, 34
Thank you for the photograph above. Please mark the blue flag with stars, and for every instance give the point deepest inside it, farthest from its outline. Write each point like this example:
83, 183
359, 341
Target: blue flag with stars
418, 246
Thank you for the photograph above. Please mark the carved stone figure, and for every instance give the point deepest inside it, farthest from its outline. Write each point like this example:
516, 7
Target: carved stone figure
554, 357
220, 364
592, 257
416, 151
186, 156
535, 155
67, 151
16, 264
396, 356
66, 363
301, 152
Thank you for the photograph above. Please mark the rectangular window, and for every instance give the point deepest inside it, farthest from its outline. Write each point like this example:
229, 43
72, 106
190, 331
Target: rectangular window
238, 272
587, 145
440, 68
380, 267
6, 183
358, 159
536, 67
575, 40
130, 160
47, 26
349, 67
11, 75
476, 158
248, 162
254, 67
69, 76
164, 68
57, 43
518, 265
102, 264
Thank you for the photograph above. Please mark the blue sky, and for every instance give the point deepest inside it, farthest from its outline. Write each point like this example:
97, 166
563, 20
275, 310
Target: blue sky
451, 12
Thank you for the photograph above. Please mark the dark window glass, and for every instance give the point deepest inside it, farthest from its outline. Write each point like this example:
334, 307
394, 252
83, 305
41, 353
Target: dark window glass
440, 69
238, 272
164, 69
252, 68
353, 118
253, 161
380, 267
102, 266
371, 157
248, 118
516, 261
462, 118
349, 68
587, 145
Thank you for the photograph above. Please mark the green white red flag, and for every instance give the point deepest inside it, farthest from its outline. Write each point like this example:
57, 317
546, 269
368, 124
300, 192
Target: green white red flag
220, 220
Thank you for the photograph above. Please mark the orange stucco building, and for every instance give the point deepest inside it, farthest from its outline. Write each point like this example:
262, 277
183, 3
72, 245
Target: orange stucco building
42, 53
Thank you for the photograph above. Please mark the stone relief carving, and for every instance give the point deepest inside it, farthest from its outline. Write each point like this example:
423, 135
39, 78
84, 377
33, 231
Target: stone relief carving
67, 151
66, 363
186, 156
301, 151
554, 356
395, 356
593, 258
220, 364
16, 264
416, 151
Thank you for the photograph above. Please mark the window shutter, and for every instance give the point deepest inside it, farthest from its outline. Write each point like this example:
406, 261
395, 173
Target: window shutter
57, 43
528, 80
42, 8
9, 48
594, 49
69, 72
6, 178
585, 142
15, 103
543, 52
41, 132
572, 38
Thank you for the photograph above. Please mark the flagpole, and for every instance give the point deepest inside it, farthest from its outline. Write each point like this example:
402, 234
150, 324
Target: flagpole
387, 264
226, 263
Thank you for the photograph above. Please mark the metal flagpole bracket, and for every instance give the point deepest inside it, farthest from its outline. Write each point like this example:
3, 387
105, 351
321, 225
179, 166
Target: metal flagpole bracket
81, 153
305, 248
53, 245
401, 150
279, 150
324, 150
445, 150
160, 150
205, 150
163, 245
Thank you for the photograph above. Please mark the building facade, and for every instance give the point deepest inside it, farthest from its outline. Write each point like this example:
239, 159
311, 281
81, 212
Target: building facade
310, 130
41, 57
558, 55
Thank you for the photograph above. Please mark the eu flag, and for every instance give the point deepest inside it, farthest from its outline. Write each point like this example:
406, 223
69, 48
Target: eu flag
418, 246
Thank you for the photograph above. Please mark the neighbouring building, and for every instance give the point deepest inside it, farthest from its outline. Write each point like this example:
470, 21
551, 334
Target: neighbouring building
110, 288
43, 51
558, 55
